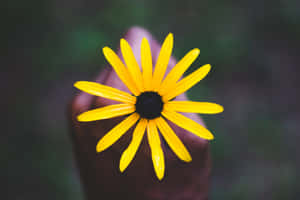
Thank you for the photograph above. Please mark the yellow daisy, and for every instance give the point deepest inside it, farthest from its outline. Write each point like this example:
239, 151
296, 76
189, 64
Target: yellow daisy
150, 103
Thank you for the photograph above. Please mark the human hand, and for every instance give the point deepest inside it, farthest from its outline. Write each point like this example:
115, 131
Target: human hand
100, 173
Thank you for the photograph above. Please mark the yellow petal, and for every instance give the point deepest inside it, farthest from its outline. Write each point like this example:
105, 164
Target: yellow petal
178, 71
131, 150
194, 107
187, 82
105, 91
162, 61
173, 141
106, 112
156, 150
114, 134
132, 64
121, 70
188, 124
146, 58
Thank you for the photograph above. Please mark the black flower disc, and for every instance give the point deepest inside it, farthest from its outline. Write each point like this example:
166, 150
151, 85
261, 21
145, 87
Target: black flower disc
149, 105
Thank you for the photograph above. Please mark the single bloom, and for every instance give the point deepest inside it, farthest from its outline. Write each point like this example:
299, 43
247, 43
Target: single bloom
151, 102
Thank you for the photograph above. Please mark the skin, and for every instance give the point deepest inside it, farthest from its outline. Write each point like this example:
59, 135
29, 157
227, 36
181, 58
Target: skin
99, 172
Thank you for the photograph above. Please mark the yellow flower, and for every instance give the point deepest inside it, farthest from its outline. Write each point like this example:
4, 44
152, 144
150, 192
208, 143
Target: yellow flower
150, 103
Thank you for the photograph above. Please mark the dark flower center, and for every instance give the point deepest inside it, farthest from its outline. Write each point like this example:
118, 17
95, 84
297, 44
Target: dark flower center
149, 105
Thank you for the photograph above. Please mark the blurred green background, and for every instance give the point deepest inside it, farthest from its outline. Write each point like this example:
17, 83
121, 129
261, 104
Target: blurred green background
253, 47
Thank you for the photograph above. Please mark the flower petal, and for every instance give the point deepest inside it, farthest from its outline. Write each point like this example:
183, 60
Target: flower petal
162, 61
121, 70
131, 150
105, 91
114, 134
156, 150
188, 124
106, 112
146, 58
178, 71
187, 82
132, 65
173, 141
194, 107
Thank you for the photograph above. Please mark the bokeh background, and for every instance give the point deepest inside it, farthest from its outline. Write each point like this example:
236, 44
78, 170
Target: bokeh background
253, 47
